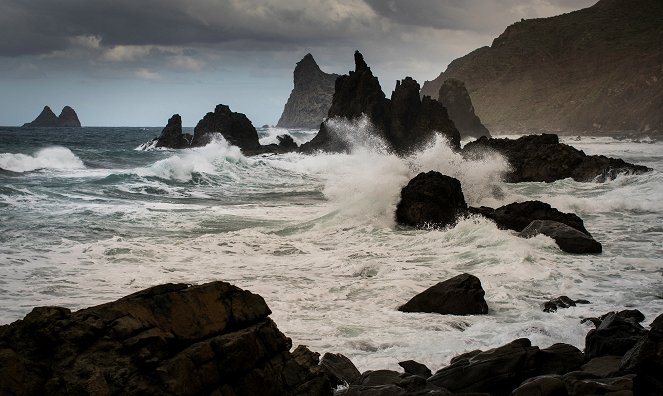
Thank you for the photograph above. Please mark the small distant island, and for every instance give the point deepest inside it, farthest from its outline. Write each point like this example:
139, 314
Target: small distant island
67, 119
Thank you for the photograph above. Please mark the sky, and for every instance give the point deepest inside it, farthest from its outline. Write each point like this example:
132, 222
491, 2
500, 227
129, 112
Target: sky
137, 62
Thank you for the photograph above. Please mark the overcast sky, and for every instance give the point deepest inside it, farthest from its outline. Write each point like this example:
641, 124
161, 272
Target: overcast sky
135, 63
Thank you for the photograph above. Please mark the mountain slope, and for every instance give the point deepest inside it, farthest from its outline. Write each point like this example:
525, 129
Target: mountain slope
598, 70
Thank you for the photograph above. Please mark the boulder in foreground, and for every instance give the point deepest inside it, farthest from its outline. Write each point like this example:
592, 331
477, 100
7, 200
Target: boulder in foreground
460, 295
431, 199
172, 339
567, 238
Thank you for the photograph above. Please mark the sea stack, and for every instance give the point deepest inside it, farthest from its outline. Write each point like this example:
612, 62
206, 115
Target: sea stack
454, 96
310, 98
47, 119
405, 122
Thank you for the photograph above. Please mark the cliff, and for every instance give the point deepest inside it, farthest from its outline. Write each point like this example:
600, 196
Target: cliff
596, 70
67, 118
310, 98
454, 96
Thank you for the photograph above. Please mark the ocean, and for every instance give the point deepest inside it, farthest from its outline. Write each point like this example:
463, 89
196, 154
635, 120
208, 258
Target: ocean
86, 217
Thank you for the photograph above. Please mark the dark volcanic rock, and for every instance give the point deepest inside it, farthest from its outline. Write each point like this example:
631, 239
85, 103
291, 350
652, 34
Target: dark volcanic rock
404, 122
45, 119
567, 238
171, 339
518, 215
546, 385
172, 136
431, 199
68, 118
499, 371
454, 96
311, 97
646, 361
236, 128
339, 369
415, 368
460, 295
592, 71
615, 335
542, 158
561, 302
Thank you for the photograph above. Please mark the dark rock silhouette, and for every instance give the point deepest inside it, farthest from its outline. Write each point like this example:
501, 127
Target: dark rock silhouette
311, 97
236, 128
404, 122
460, 295
498, 371
67, 119
431, 199
171, 339
518, 215
172, 136
567, 238
542, 158
415, 368
645, 359
454, 96
596, 70
339, 369
615, 334
561, 302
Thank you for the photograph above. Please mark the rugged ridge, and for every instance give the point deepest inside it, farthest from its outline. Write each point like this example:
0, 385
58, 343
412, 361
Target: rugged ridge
404, 122
454, 96
596, 70
67, 119
310, 98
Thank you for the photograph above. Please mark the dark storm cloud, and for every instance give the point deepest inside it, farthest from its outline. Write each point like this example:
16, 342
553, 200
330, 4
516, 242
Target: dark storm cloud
477, 15
41, 26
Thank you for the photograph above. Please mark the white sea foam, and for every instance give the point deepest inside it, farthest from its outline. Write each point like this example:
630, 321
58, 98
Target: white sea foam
47, 158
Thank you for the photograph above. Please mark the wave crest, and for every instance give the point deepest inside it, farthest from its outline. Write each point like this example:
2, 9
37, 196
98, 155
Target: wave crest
47, 158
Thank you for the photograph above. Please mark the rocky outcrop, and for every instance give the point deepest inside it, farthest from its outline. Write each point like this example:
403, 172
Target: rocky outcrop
596, 70
67, 119
454, 96
236, 128
518, 215
171, 339
460, 295
405, 122
311, 97
615, 334
561, 302
498, 371
567, 238
542, 158
431, 199
645, 359
172, 136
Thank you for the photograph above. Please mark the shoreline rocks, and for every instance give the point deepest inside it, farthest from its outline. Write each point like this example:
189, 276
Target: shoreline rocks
47, 119
168, 339
460, 295
542, 158
567, 238
176, 339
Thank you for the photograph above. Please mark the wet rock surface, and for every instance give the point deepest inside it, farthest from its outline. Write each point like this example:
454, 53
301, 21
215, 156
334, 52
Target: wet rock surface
542, 158
171, 339
460, 295
431, 199
567, 238
561, 302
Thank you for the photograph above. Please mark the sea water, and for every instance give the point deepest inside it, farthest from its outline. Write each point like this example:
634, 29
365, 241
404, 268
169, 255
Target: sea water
86, 218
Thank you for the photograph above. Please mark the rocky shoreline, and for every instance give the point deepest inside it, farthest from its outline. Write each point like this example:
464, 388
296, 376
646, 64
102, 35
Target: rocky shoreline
217, 339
